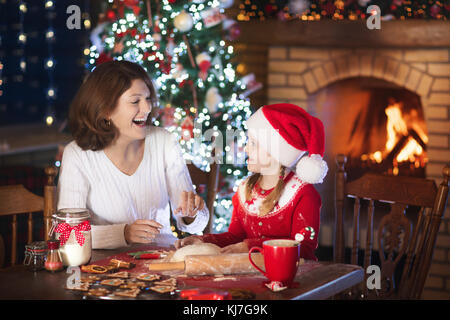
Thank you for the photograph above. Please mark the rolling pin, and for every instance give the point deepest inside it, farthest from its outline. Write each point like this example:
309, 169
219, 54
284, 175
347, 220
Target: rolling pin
201, 265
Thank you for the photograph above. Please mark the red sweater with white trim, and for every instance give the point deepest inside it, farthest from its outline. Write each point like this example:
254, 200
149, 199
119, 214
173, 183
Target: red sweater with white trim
298, 207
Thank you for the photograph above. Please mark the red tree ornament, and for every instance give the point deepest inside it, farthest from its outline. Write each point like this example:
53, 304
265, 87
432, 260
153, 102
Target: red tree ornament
204, 63
187, 128
103, 57
133, 4
111, 15
168, 116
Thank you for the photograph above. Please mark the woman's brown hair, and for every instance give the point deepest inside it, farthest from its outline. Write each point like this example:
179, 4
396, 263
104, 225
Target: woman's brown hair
271, 200
97, 98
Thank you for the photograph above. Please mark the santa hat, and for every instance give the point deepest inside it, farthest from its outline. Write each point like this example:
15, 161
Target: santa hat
287, 132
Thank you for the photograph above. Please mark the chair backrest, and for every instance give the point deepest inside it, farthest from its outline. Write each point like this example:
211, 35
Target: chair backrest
396, 238
16, 199
210, 180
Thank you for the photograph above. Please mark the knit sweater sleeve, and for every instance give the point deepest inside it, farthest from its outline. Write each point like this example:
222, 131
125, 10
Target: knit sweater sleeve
307, 214
179, 180
73, 189
73, 185
236, 232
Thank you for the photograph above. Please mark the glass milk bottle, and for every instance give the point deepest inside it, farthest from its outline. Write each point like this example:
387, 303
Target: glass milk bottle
73, 230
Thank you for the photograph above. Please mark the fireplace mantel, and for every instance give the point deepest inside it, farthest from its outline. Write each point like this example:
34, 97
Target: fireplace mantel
348, 34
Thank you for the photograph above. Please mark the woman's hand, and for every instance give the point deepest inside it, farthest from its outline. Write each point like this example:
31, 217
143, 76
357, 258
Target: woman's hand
239, 247
141, 231
190, 204
187, 241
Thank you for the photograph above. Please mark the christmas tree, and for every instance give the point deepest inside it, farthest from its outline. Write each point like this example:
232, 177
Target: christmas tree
184, 47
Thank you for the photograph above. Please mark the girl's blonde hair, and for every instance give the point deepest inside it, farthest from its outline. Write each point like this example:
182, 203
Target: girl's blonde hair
271, 200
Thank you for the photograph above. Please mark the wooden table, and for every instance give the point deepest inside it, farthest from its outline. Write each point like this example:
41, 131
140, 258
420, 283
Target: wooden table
321, 282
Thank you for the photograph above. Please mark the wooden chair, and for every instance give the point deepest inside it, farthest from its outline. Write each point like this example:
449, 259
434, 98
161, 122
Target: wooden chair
210, 180
16, 199
397, 239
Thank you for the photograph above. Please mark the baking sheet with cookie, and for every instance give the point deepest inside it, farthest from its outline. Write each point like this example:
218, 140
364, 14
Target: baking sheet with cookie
125, 276
128, 286
158, 287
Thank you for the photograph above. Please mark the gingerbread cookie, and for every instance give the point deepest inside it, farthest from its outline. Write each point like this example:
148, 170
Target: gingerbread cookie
163, 289
121, 274
133, 285
90, 279
98, 292
83, 286
148, 277
112, 282
167, 282
131, 293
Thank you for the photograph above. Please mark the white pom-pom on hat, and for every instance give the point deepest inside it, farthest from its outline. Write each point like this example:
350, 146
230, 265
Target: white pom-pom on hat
311, 169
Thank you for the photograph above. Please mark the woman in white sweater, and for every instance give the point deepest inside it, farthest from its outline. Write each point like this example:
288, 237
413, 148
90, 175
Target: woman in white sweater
127, 172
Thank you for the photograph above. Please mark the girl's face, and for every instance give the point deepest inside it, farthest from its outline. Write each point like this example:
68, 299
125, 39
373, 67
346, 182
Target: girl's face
260, 161
133, 108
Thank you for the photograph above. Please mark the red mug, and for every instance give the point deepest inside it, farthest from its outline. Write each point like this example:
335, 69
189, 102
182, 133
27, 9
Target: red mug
280, 259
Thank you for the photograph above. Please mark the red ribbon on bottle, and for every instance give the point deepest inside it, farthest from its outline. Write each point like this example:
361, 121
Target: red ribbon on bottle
65, 229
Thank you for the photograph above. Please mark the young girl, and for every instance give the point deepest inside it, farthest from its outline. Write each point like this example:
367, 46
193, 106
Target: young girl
279, 200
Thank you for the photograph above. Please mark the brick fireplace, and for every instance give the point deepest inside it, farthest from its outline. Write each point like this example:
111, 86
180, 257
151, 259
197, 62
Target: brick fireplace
300, 69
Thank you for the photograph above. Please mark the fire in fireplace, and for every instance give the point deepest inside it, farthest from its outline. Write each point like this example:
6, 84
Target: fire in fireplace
385, 131
406, 141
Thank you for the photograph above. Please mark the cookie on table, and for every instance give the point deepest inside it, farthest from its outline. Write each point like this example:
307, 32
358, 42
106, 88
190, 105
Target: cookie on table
98, 292
121, 274
112, 282
90, 279
162, 289
82, 286
133, 285
131, 293
167, 282
148, 277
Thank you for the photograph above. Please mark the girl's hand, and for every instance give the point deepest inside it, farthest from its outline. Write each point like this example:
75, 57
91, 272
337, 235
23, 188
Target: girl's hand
239, 247
190, 204
187, 241
142, 231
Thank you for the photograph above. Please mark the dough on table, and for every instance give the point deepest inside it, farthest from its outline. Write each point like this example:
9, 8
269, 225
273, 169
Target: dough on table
195, 249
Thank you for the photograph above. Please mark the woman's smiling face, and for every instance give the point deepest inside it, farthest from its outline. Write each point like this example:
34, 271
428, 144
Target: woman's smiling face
133, 109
